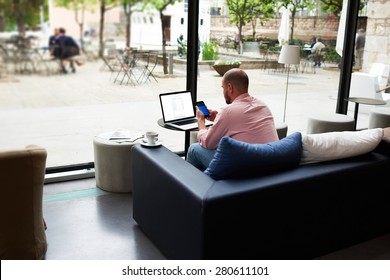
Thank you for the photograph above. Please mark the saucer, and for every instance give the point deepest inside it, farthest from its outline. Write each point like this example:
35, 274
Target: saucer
145, 144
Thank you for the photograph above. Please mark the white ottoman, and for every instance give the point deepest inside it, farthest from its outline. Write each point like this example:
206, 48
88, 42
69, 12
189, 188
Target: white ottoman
329, 123
379, 117
113, 165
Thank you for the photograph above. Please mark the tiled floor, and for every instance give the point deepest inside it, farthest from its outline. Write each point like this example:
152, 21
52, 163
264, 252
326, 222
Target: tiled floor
86, 223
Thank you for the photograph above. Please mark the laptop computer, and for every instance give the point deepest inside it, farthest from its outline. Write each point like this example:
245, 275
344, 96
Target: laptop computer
178, 110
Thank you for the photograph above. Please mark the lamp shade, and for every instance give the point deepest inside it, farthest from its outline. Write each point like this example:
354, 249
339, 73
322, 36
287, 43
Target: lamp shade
289, 55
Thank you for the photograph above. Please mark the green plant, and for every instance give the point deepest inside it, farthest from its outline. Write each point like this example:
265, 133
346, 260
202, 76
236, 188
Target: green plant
209, 51
332, 55
227, 62
222, 66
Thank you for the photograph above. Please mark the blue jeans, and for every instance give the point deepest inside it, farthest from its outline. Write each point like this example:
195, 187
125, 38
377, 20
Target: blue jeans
199, 157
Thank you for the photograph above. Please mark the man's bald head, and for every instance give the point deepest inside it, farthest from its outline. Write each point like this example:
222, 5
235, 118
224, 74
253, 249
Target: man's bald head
238, 78
234, 83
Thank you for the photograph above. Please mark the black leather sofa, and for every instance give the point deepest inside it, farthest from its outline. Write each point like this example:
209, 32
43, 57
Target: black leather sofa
302, 213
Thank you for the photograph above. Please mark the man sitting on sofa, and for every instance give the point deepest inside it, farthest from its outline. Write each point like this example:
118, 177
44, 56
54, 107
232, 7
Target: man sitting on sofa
245, 118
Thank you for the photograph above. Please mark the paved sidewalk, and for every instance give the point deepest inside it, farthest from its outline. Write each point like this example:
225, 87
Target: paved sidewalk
64, 112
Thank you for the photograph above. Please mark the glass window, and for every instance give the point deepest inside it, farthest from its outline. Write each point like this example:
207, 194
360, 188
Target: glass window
64, 112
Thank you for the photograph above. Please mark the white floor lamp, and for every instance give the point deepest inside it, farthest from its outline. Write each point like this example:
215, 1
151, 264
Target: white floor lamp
288, 55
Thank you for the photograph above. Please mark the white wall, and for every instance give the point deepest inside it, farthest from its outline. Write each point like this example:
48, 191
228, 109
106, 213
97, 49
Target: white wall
146, 33
61, 17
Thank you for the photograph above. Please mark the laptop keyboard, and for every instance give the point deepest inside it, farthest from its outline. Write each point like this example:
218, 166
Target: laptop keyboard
186, 122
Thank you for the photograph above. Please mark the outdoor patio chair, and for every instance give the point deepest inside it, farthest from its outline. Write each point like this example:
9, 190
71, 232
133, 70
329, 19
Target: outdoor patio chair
126, 70
148, 68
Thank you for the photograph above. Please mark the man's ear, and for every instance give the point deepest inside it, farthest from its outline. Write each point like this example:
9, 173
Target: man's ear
230, 87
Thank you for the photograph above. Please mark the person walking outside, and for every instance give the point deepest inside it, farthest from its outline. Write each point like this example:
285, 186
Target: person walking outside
359, 48
316, 51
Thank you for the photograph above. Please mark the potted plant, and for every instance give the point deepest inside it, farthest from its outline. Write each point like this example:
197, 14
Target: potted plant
222, 66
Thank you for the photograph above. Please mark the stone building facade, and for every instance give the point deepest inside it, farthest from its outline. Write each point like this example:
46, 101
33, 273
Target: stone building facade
305, 27
377, 48
376, 24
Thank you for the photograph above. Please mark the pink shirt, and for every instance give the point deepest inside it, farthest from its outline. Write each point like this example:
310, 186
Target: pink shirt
246, 119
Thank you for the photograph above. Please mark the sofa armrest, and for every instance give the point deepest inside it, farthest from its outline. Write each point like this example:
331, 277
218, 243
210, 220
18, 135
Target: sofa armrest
168, 194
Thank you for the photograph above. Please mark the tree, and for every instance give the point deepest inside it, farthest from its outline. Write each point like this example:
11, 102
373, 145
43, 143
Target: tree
335, 6
21, 12
4, 7
160, 6
79, 7
262, 12
104, 6
128, 9
294, 6
332, 6
244, 11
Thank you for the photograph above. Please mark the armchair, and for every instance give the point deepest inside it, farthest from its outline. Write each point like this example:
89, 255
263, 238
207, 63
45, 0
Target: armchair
22, 235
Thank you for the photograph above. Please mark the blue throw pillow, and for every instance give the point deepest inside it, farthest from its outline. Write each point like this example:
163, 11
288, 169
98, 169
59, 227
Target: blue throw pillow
237, 159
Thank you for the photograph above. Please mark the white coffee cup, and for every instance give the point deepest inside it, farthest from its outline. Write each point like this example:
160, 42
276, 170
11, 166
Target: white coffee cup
151, 137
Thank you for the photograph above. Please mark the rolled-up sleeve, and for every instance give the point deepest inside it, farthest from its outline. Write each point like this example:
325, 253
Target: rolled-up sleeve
210, 137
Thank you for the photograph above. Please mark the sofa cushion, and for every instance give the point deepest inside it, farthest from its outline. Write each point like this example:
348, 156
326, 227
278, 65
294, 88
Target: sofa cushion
337, 145
235, 159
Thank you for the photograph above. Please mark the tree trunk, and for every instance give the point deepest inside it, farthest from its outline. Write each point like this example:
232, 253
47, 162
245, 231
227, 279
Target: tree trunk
19, 19
101, 31
292, 24
241, 44
2, 25
81, 24
164, 52
128, 27
254, 23
82, 37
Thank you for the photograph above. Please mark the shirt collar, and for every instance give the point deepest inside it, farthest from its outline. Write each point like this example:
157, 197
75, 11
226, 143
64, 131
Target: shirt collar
241, 96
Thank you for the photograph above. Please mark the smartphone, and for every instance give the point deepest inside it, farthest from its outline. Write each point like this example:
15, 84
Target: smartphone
203, 108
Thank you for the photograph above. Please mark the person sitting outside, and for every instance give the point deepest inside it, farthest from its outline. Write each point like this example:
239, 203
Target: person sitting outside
53, 43
309, 47
317, 52
245, 118
65, 50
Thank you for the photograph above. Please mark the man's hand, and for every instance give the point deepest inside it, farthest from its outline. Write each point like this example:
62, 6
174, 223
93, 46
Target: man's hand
212, 116
201, 119
201, 116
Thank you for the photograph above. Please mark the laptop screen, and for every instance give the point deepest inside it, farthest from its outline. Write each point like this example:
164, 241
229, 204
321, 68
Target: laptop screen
177, 105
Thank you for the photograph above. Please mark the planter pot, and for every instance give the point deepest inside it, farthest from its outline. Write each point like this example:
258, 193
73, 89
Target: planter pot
222, 69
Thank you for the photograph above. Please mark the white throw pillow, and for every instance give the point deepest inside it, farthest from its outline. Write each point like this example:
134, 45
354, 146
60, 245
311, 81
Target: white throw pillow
340, 144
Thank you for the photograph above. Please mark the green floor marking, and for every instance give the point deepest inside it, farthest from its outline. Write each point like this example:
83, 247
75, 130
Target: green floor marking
73, 195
